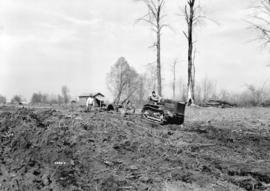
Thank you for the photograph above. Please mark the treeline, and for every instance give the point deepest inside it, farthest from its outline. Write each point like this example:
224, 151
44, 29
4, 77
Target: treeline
125, 83
251, 96
206, 90
63, 98
41, 98
15, 99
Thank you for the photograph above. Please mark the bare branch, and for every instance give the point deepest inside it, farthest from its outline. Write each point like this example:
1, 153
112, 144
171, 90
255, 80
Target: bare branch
153, 5
185, 34
261, 20
186, 14
163, 26
147, 21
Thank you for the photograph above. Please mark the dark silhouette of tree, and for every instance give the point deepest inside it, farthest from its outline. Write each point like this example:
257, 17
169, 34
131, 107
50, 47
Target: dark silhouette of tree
193, 17
3, 99
65, 94
17, 99
39, 98
190, 20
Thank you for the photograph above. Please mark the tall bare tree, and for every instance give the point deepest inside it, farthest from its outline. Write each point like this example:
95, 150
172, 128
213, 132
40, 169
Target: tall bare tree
193, 16
154, 18
65, 94
190, 20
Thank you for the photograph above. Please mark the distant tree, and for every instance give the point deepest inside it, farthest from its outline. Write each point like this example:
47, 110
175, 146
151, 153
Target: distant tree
16, 99
60, 99
154, 18
3, 100
208, 89
65, 94
256, 94
122, 81
142, 90
205, 90
224, 95
53, 101
252, 96
150, 77
39, 98
182, 90
36, 98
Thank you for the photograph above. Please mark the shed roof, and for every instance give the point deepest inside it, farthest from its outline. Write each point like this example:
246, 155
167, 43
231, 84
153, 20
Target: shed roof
86, 95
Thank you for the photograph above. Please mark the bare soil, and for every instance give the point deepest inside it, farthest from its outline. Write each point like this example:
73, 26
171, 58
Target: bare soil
216, 149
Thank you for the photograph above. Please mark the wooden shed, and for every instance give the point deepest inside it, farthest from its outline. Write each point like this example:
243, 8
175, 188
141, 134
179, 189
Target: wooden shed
84, 97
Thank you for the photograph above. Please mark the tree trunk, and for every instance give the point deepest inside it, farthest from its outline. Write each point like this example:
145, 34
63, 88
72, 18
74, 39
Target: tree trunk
158, 63
193, 75
154, 18
190, 97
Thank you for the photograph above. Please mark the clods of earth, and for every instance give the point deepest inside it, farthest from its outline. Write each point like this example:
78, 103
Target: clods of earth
55, 150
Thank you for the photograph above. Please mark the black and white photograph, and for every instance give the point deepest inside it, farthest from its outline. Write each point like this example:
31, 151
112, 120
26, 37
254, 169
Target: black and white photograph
134, 95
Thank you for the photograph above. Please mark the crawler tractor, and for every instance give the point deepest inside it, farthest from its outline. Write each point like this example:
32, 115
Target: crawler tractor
165, 112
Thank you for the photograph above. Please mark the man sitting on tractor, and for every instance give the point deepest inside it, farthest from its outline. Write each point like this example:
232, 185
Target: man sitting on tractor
129, 108
155, 98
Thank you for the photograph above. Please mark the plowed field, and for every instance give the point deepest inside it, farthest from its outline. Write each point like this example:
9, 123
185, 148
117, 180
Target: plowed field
216, 149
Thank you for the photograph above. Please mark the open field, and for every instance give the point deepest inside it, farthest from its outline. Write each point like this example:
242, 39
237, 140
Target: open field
60, 149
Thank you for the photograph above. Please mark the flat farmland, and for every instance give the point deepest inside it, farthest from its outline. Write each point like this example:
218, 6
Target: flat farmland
63, 149
233, 118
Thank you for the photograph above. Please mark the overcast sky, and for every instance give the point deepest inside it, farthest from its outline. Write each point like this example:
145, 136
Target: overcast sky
45, 44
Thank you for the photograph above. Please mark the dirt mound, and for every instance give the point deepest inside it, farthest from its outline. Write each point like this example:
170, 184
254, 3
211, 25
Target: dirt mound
53, 150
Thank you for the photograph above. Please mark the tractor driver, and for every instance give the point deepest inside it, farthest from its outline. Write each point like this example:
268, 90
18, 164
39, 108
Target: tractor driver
155, 97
